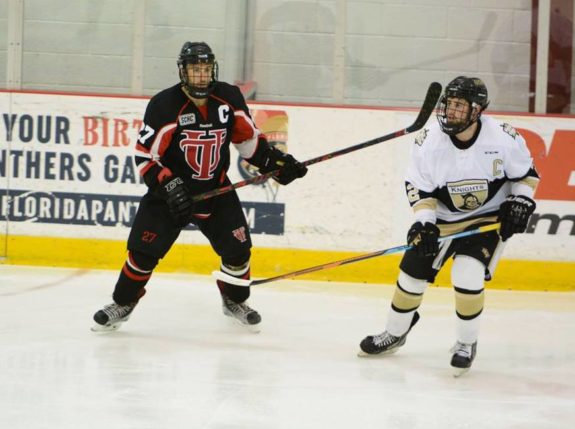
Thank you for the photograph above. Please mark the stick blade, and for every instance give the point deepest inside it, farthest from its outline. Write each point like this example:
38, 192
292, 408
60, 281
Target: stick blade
433, 94
219, 275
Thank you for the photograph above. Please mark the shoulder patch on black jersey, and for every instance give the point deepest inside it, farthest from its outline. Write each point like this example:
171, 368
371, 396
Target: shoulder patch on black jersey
509, 130
187, 119
421, 136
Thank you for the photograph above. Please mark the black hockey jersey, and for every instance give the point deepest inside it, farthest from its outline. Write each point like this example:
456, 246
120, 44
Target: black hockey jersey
179, 138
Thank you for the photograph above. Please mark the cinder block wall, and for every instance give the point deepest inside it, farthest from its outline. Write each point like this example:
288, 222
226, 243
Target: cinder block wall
373, 52
393, 49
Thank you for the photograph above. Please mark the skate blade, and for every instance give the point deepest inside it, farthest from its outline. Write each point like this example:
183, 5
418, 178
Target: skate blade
458, 372
255, 329
104, 328
363, 354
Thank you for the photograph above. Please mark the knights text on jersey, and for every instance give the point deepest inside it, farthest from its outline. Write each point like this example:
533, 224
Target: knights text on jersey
464, 184
192, 142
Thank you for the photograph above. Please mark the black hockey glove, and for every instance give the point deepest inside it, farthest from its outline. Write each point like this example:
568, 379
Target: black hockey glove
424, 238
270, 159
514, 214
175, 192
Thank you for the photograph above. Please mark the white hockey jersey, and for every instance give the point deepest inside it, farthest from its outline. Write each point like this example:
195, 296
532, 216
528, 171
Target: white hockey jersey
450, 185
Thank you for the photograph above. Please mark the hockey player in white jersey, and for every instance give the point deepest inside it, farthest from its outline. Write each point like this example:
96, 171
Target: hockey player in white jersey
467, 170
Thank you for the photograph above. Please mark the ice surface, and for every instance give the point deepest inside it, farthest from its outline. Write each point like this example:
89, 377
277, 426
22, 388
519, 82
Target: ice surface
179, 363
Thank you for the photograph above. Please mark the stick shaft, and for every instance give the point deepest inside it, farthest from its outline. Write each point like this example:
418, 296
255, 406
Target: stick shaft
397, 249
433, 93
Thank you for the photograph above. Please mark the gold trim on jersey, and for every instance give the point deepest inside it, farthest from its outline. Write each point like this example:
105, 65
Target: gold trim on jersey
453, 228
530, 181
426, 203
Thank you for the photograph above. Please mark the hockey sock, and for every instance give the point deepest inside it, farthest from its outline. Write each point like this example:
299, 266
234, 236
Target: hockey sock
467, 275
134, 276
468, 307
407, 298
237, 294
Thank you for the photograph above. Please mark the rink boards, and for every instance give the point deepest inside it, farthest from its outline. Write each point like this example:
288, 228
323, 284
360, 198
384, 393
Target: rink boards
267, 262
69, 189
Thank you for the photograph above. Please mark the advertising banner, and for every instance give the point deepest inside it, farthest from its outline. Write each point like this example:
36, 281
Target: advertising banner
67, 170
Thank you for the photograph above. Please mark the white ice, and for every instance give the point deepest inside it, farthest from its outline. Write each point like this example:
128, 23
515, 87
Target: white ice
179, 363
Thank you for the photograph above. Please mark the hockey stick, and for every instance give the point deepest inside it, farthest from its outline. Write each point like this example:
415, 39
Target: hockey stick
219, 275
433, 93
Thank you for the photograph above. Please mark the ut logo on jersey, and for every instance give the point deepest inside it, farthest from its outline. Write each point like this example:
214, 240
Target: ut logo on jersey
240, 234
468, 195
202, 151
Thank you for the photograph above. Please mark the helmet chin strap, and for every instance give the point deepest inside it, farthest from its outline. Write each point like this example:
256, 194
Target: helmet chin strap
198, 92
191, 95
466, 137
472, 117
195, 91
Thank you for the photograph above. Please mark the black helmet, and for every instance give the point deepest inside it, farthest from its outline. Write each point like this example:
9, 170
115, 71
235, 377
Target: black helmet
197, 53
471, 89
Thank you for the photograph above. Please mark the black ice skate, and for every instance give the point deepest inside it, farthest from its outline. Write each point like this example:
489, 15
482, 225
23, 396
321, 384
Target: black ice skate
384, 343
463, 355
112, 316
241, 313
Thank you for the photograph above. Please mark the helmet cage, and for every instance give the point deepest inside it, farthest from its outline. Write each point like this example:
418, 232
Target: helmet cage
197, 53
472, 90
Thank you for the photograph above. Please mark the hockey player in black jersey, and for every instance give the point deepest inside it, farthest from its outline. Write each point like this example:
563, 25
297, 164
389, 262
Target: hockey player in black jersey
183, 150
467, 170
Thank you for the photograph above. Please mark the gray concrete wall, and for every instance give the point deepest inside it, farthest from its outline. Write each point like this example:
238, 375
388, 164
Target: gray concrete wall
393, 49
390, 49
89, 45
3, 40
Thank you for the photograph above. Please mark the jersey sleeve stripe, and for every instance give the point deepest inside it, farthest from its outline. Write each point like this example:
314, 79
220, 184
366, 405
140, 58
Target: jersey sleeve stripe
426, 203
142, 150
531, 173
247, 148
245, 117
162, 140
144, 167
532, 182
244, 127
245, 134
140, 160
